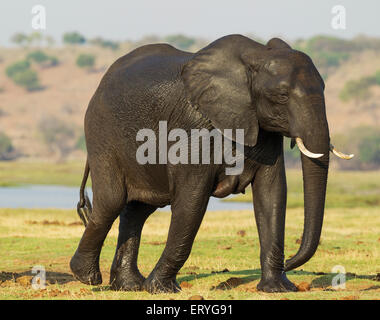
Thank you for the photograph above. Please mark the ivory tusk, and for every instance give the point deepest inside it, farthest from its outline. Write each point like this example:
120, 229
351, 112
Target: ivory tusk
340, 154
306, 152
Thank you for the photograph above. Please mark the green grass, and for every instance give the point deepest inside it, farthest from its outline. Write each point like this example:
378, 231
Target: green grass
345, 189
350, 238
48, 173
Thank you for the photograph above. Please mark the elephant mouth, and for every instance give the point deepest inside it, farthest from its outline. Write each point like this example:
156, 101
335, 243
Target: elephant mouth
313, 155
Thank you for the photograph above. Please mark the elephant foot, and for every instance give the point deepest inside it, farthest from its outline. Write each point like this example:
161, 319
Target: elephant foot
85, 270
155, 285
278, 283
127, 281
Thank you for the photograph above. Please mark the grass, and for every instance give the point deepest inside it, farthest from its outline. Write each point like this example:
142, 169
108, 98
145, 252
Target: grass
350, 238
227, 241
47, 173
345, 189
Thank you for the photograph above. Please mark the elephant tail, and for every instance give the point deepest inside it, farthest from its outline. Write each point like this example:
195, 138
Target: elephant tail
84, 207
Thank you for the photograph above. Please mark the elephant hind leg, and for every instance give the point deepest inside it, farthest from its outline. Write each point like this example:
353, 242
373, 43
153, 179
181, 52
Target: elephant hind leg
125, 274
188, 210
109, 199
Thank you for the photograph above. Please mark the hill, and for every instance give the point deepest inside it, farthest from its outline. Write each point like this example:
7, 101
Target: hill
47, 121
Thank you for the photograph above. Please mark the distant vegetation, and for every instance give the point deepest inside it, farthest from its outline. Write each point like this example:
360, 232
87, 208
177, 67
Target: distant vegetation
85, 61
328, 53
42, 58
73, 38
359, 89
57, 135
362, 141
17, 67
6, 147
180, 41
33, 39
292, 156
22, 75
365, 143
113, 45
81, 143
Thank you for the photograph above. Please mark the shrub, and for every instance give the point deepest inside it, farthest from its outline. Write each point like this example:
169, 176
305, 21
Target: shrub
43, 59
357, 89
73, 38
369, 149
6, 146
85, 61
377, 78
81, 143
38, 56
323, 43
27, 79
113, 45
53, 61
57, 135
17, 67
23, 76
292, 156
19, 38
180, 41
364, 142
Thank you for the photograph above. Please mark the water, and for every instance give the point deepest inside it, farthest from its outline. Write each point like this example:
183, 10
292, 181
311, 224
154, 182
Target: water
38, 196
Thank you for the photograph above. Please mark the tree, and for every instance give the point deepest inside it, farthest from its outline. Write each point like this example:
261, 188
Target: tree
16, 67
6, 147
27, 79
35, 38
42, 59
364, 142
85, 61
180, 41
369, 150
38, 56
359, 89
57, 135
73, 38
113, 45
22, 75
292, 156
81, 143
19, 39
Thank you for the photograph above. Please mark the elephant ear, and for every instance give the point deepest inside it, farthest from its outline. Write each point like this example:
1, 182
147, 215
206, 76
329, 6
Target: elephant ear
277, 43
218, 83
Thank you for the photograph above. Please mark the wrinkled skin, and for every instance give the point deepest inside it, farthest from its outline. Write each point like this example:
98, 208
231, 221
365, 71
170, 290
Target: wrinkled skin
269, 90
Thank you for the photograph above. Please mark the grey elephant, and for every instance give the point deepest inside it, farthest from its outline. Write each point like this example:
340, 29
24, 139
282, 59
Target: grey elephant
268, 91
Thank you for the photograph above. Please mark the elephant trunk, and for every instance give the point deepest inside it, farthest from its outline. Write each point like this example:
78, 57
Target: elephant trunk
315, 172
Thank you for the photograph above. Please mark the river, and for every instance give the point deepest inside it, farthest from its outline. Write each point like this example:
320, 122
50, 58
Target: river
42, 196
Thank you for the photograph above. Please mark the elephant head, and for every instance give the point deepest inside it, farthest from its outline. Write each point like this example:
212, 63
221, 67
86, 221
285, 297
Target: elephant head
238, 83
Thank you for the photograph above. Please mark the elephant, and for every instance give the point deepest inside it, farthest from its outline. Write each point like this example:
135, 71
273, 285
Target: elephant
270, 91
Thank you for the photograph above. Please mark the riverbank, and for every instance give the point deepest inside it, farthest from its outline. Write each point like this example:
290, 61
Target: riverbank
41, 173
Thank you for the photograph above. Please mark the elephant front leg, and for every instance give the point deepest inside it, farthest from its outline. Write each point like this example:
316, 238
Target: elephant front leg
269, 199
187, 214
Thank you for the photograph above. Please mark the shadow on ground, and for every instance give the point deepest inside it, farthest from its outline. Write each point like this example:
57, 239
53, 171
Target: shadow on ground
322, 281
